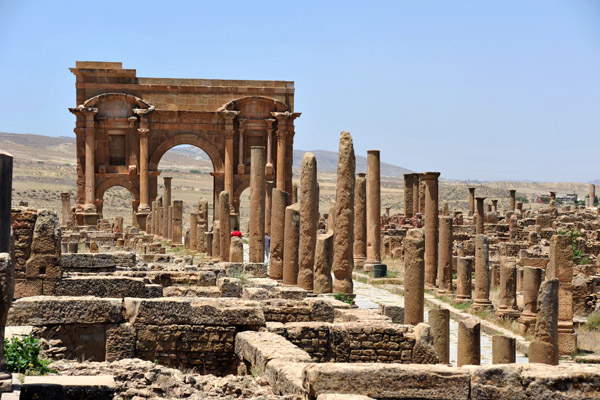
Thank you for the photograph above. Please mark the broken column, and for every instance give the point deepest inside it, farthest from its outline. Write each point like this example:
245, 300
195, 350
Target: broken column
202, 225
216, 241
439, 320
513, 199
504, 350
414, 276
294, 193
532, 278
471, 201
66, 209
279, 202
236, 250
444, 269
469, 342
507, 307
170, 223
166, 225
208, 236
422, 189
309, 214
408, 195
431, 227
291, 242
193, 231
224, 228
592, 195
544, 346
257, 204
331, 216
158, 224
177, 221
482, 274
560, 266
7, 279
416, 206
373, 210
464, 271
360, 221
323, 262
268, 203
480, 216
343, 236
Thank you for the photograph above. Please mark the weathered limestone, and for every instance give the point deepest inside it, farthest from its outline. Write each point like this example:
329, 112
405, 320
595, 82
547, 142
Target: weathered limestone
66, 209
482, 274
444, 269
209, 243
445, 209
508, 289
236, 250
469, 342
373, 210
44, 261
323, 261
503, 349
257, 204
544, 347
177, 221
170, 222
416, 197
512, 227
471, 201
279, 202
291, 243
464, 271
480, 216
431, 227
309, 214
224, 228
532, 278
268, 203
294, 193
343, 259
7, 279
117, 226
422, 189
216, 241
202, 225
414, 276
331, 216
166, 224
360, 221
513, 199
439, 320
408, 195
495, 205
560, 266
592, 194
6, 175
193, 231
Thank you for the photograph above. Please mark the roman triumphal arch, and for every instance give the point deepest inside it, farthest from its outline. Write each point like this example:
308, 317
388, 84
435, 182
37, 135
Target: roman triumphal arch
126, 123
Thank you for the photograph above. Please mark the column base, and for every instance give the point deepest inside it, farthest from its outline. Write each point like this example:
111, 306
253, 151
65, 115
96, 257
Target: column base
359, 262
141, 217
462, 299
507, 313
482, 305
89, 218
269, 169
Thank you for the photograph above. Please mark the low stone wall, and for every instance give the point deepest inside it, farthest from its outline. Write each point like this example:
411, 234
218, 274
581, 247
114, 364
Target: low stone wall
97, 262
310, 309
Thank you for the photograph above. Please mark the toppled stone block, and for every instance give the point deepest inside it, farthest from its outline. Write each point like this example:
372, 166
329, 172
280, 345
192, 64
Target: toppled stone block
257, 270
230, 287
258, 348
100, 387
124, 259
75, 261
396, 313
192, 291
285, 377
100, 286
289, 292
251, 293
151, 291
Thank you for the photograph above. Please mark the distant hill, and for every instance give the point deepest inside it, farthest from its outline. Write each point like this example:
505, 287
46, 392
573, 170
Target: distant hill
327, 162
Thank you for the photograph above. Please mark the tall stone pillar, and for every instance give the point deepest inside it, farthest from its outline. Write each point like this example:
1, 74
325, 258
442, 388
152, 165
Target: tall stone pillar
6, 176
323, 261
159, 219
150, 219
257, 204
177, 221
331, 216
444, 267
416, 206
90, 214
560, 266
202, 225
170, 224
439, 320
414, 276
66, 209
269, 168
278, 205
464, 273
229, 117
294, 193
268, 204
343, 236
194, 231
431, 227
282, 133
513, 199
209, 244
408, 195
482, 274
292, 240
480, 217
544, 346
7, 280
422, 195
469, 342
360, 221
373, 210
471, 201
309, 214
241, 167
508, 289
167, 180
532, 279
143, 208
495, 205
592, 194
225, 229
216, 241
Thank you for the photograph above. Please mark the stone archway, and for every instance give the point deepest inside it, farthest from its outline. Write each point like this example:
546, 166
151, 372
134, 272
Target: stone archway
117, 182
189, 139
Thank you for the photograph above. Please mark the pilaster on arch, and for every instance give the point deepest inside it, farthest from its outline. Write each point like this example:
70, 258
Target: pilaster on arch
187, 139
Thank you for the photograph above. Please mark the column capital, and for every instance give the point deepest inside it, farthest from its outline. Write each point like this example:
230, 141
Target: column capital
143, 111
143, 132
431, 175
229, 115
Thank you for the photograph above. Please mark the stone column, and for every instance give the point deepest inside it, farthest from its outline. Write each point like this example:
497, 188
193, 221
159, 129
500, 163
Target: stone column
89, 206
471, 201
309, 214
268, 204
422, 189
150, 219
513, 222
439, 320
66, 209
236, 250
416, 206
281, 134
242, 162
279, 203
513, 199
431, 227
373, 210
360, 221
225, 229
177, 221
508, 289
414, 276
143, 208
495, 205
560, 266
444, 267
482, 274
158, 223
469, 342
532, 279
170, 224
504, 350
209, 244
202, 225
257, 204
464, 271
6, 176
544, 346
291, 242
343, 237
194, 231
323, 262
216, 241
269, 168
552, 196
229, 117
480, 217
294, 193
408, 195
592, 194
167, 180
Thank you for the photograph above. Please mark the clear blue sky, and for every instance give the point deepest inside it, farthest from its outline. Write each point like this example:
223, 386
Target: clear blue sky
475, 89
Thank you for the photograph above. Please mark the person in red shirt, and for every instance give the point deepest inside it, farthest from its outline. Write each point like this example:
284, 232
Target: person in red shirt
236, 232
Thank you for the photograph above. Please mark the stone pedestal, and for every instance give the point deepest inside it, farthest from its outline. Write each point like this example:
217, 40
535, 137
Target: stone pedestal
291, 242
532, 279
504, 350
414, 276
469, 345
482, 274
309, 215
360, 221
280, 200
464, 270
508, 289
439, 320
373, 210
257, 204
444, 269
